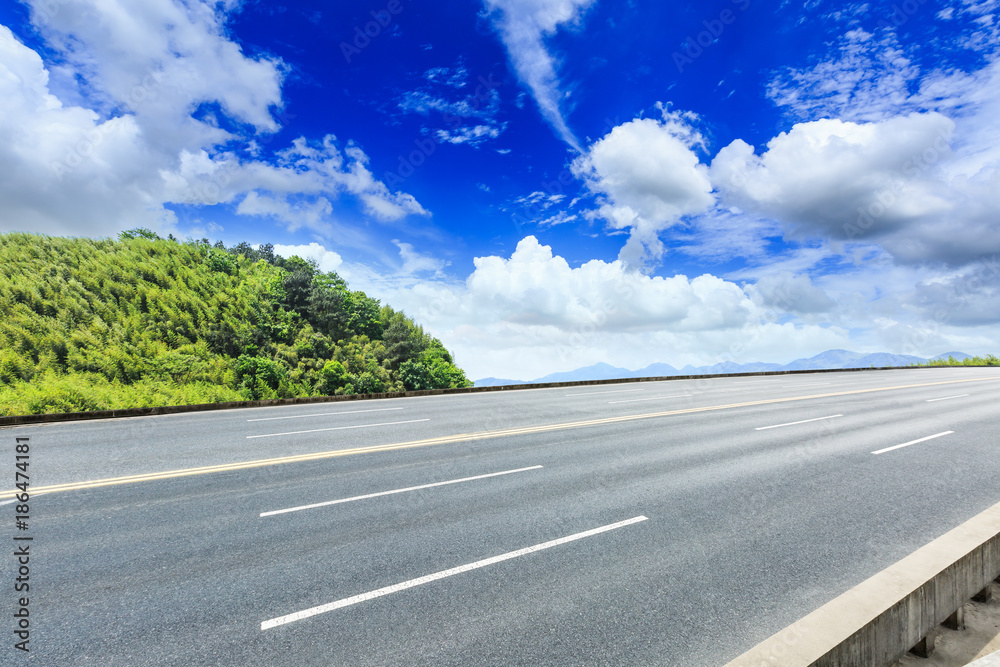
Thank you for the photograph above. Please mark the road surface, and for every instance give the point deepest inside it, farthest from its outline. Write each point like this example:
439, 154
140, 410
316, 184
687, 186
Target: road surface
675, 523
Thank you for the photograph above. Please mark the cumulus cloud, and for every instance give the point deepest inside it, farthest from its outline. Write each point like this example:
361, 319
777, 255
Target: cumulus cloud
969, 297
823, 175
535, 287
311, 214
885, 182
157, 57
900, 157
149, 84
647, 176
523, 26
60, 174
326, 260
791, 293
531, 313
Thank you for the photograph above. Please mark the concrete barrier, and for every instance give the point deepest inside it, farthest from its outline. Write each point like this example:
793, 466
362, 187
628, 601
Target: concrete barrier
992, 660
16, 420
875, 623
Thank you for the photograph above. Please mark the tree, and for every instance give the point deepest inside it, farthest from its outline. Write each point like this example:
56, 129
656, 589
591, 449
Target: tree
326, 311
138, 233
415, 375
333, 376
298, 284
402, 341
141, 321
260, 377
365, 317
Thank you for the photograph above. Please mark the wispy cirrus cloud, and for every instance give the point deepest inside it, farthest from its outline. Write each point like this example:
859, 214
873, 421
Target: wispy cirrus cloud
523, 26
460, 109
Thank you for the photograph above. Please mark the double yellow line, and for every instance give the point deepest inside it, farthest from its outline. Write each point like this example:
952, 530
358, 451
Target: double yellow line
444, 440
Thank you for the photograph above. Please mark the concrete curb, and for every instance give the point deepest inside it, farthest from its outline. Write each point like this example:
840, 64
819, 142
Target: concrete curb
875, 623
992, 660
19, 420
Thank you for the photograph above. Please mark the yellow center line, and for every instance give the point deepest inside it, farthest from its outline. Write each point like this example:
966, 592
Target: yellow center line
448, 439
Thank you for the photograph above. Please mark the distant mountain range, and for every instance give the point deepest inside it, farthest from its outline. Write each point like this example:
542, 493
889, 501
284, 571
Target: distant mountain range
826, 360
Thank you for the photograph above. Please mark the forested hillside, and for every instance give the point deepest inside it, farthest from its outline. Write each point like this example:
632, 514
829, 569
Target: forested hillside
97, 324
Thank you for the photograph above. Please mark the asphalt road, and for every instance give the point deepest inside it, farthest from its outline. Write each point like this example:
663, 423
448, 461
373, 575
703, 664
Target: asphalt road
630, 526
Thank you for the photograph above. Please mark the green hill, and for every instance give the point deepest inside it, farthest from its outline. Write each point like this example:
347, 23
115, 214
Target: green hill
142, 321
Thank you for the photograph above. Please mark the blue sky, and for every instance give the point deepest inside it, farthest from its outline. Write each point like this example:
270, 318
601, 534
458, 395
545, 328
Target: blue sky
544, 184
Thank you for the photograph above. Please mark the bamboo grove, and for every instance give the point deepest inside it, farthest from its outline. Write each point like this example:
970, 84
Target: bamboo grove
141, 321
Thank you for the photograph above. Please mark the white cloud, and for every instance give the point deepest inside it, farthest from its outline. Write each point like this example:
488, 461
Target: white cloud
870, 79
128, 145
415, 262
648, 177
531, 313
910, 159
523, 26
455, 77
887, 182
60, 162
791, 293
535, 287
471, 135
303, 169
311, 214
157, 57
326, 260
722, 235
469, 112
819, 174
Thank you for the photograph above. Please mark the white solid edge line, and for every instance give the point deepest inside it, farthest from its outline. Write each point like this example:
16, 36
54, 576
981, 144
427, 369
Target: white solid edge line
321, 414
8, 502
654, 398
336, 428
594, 393
912, 442
389, 493
804, 421
946, 398
426, 579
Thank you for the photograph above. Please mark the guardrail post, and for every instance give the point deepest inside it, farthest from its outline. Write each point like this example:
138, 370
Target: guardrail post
984, 595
